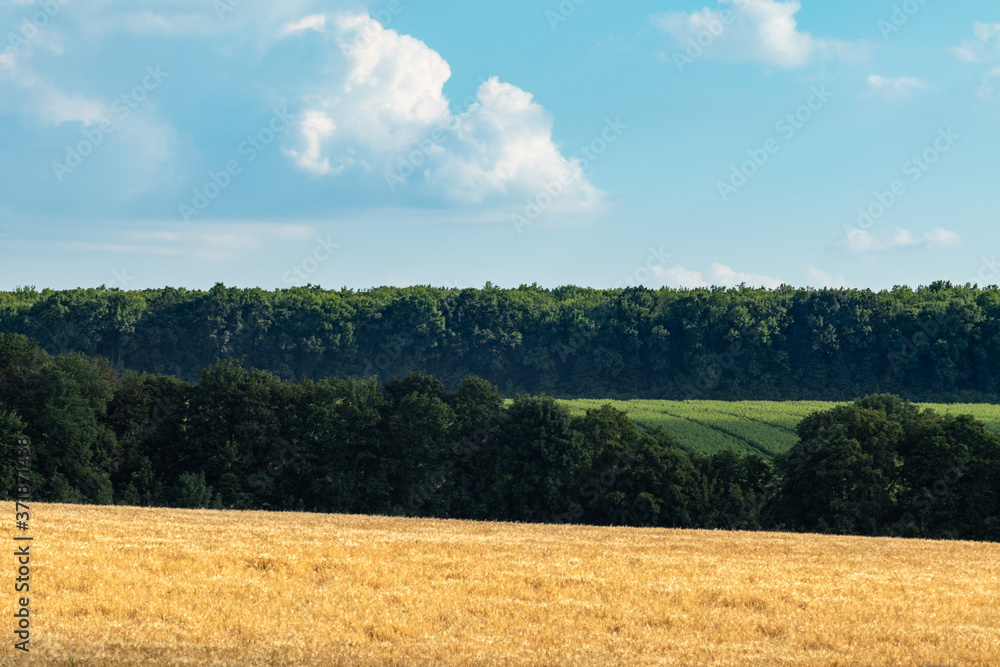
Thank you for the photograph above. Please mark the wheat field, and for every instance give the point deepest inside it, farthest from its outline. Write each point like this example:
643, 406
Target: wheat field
115, 586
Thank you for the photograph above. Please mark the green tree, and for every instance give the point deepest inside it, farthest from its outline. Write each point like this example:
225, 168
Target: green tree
540, 461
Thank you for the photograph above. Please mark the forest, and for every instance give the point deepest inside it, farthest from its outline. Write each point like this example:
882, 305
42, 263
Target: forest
937, 343
241, 438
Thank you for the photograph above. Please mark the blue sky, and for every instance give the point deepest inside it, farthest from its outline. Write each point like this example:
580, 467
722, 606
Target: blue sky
189, 142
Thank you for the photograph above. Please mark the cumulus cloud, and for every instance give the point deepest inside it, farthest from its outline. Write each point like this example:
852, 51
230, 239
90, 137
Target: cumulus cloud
722, 275
861, 241
370, 119
897, 88
755, 30
385, 114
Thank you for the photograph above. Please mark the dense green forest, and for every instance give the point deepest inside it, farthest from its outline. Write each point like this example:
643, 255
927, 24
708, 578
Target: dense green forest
248, 439
937, 343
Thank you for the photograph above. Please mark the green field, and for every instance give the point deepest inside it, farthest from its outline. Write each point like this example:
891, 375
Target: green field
762, 427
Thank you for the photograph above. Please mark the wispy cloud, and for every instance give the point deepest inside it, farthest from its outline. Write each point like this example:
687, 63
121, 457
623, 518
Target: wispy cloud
220, 241
763, 31
861, 241
896, 89
984, 46
983, 49
118, 248
942, 238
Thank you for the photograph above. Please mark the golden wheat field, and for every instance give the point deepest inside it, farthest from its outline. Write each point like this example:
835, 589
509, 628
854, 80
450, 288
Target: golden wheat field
114, 585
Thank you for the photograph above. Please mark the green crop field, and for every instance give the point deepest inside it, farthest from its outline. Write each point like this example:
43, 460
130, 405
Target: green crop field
766, 428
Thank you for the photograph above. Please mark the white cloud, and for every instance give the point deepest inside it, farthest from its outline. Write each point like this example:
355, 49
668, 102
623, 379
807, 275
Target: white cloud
722, 275
861, 241
902, 238
942, 238
823, 279
759, 31
315, 22
56, 107
37, 94
196, 17
678, 276
989, 82
7, 60
387, 110
896, 88
503, 145
983, 48
315, 127
729, 277
985, 45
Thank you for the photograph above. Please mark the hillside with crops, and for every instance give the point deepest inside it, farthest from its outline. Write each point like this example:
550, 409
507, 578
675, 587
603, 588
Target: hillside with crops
766, 428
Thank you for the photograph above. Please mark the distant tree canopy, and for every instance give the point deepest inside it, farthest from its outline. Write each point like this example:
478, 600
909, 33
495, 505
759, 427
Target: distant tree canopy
247, 439
938, 343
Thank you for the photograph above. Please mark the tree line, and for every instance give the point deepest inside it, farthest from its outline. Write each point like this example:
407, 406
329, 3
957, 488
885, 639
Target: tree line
938, 343
248, 439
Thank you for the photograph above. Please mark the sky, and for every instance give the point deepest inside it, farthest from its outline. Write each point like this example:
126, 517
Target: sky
185, 143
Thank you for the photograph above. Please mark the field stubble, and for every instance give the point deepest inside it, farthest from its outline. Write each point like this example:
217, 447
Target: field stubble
114, 585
